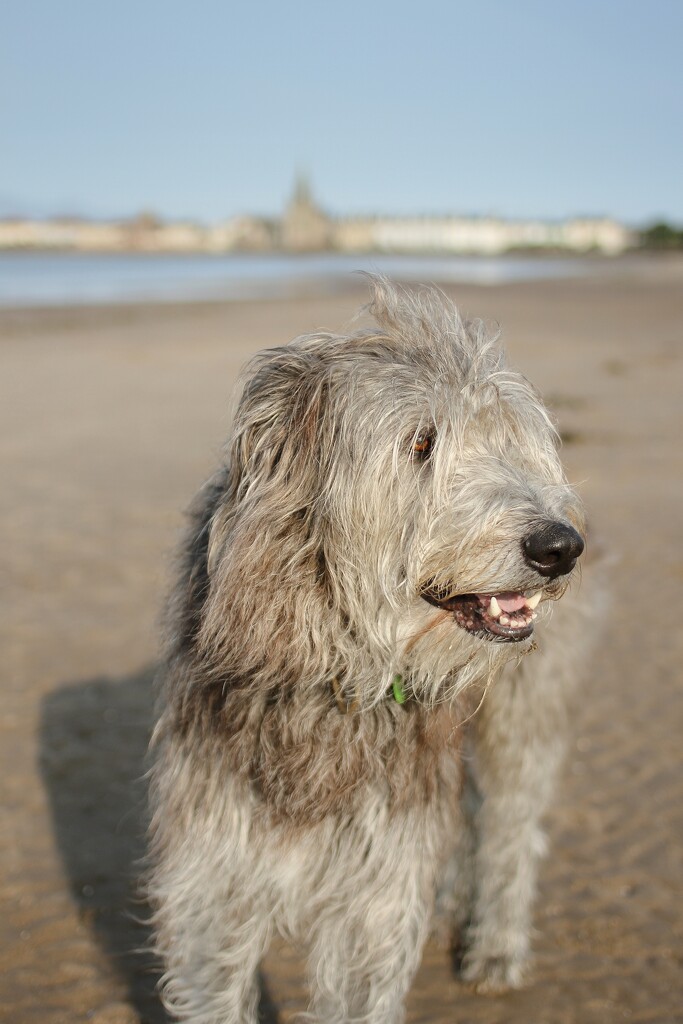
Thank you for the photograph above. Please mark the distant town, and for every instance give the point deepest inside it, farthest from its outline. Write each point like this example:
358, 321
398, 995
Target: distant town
306, 227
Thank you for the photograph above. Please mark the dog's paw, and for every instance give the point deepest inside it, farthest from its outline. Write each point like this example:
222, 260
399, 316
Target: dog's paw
492, 974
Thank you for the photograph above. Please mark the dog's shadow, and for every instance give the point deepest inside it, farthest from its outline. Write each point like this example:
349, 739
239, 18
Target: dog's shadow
93, 745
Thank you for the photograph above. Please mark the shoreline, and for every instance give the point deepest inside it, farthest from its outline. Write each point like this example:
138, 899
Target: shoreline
66, 281
653, 271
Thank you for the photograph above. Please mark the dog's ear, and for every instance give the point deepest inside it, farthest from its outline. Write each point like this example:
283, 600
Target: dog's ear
278, 437
265, 537
276, 453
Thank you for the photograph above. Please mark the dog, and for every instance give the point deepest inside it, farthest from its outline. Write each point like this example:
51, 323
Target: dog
364, 700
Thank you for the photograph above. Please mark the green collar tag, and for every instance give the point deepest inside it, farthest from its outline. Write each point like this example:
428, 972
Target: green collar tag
400, 695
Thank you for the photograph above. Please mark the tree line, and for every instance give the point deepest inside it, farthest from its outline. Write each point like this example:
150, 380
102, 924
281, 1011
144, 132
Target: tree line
661, 235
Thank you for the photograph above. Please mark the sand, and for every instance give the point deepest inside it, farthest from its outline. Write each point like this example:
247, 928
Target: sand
109, 420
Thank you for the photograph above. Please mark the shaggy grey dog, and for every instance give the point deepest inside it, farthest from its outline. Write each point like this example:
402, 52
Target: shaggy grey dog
365, 699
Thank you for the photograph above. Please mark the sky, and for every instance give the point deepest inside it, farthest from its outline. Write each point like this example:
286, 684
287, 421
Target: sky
532, 108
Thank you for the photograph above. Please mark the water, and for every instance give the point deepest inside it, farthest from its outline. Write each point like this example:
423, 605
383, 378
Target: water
66, 279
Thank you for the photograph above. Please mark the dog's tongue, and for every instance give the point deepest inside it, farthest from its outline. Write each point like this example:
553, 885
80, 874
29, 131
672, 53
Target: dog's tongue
511, 602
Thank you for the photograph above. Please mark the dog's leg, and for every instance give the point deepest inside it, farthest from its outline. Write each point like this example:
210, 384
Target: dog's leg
358, 975
515, 776
212, 962
520, 741
366, 953
210, 888
455, 893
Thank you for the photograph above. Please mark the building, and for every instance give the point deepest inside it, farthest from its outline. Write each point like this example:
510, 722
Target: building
485, 236
305, 227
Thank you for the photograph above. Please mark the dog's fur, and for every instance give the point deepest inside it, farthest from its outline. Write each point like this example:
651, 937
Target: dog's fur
291, 790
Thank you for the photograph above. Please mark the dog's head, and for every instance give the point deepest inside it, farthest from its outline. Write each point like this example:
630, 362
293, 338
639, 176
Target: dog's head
396, 504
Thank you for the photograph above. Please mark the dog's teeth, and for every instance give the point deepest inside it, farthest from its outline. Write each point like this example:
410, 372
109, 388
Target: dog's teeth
494, 608
504, 620
534, 600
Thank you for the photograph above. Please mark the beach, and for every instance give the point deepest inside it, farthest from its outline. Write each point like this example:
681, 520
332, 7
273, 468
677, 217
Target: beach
110, 419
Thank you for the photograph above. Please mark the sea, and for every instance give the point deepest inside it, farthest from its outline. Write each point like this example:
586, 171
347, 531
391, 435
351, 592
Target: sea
85, 279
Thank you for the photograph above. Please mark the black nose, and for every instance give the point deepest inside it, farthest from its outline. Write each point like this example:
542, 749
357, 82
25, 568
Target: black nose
552, 549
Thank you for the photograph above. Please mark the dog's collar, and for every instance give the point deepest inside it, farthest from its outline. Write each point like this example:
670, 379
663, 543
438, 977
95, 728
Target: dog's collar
347, 707
400, 695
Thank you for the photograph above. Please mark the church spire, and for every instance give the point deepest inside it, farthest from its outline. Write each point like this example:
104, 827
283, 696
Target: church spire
302, 194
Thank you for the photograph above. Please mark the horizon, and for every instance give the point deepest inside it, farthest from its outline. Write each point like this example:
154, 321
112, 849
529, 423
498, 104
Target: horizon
329, 211
526, 113
360, 214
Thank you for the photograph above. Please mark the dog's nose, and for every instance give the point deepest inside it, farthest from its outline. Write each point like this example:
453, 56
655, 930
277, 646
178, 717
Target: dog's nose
552, 549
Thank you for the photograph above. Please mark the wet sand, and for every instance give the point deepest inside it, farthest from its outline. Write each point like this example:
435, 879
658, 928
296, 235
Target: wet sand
109, 420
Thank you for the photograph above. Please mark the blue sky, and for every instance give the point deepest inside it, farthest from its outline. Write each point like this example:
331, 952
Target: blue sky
207, 109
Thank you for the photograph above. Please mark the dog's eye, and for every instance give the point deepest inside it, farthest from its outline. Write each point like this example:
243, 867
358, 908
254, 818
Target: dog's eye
423, 444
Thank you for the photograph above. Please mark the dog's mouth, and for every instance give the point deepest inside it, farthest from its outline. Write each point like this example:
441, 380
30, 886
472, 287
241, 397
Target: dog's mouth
507, 616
